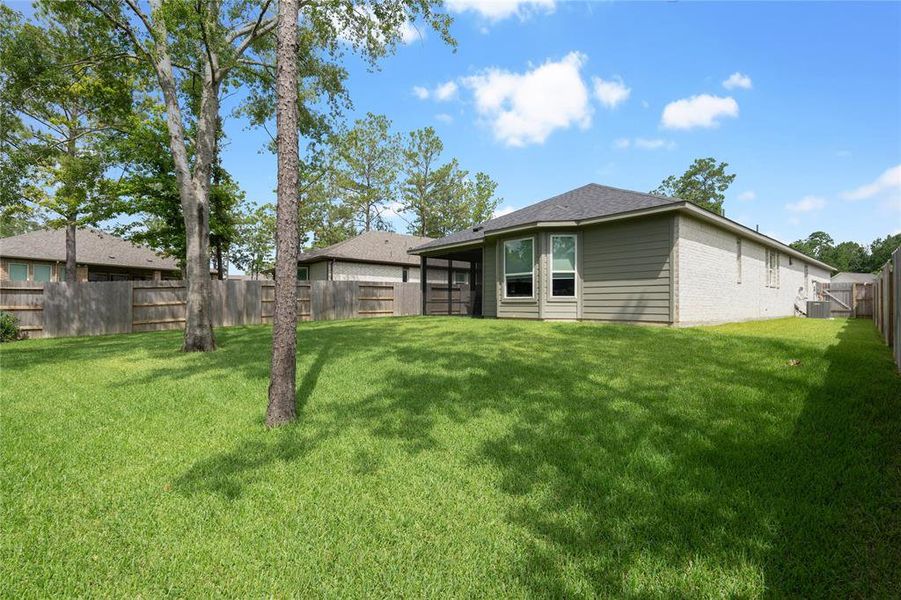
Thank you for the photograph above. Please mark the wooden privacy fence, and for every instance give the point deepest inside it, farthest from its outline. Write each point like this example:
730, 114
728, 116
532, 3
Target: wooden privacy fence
106, 307
847, 299
887, 304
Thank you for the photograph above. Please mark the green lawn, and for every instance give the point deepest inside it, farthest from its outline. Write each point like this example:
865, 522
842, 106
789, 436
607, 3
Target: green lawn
454, 458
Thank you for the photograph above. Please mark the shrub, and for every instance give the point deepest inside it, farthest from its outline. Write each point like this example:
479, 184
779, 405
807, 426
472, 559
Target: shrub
9, 328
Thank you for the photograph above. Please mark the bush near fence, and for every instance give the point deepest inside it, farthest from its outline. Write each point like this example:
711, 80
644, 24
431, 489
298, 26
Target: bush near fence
887, 304
101, 308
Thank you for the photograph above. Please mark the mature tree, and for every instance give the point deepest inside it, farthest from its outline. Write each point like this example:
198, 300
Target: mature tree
816, 245
226, 44
366, 161
881, 250
254, 247
64, 93
847, 256
16, 219
704, 183
438, 199
283, 366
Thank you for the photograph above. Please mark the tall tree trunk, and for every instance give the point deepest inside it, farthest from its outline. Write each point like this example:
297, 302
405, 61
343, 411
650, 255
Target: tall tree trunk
193, 188
71, 267
283, 371
219, 269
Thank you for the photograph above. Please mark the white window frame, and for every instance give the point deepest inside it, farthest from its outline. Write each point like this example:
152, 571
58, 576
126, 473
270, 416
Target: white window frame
18, 264
505, 274
738, 259
465, 275
772, 268
575, 270
303, 268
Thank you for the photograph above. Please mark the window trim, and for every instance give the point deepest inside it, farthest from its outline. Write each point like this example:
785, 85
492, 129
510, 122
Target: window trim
303, 268
738, 257
773, 264
504, 271
42, 265
465, 275
575, 271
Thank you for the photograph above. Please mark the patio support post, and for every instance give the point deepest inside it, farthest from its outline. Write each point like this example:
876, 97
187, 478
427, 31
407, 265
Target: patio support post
423, 282
450, 287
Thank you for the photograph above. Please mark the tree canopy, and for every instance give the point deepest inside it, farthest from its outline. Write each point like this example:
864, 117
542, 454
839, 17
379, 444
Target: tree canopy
704, 183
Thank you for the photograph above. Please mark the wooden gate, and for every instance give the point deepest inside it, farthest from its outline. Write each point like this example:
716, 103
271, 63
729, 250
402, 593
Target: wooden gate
847, 299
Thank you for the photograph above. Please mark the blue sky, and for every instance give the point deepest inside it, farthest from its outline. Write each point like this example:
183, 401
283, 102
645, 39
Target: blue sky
549, 96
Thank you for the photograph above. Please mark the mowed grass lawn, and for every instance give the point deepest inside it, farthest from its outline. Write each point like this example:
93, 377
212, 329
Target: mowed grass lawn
454, 458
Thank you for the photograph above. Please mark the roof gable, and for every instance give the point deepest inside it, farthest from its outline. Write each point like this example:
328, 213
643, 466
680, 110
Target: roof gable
371, 246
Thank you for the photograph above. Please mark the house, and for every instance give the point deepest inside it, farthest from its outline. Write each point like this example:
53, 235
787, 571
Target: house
375, 256
848, 277
41, 256
608, 254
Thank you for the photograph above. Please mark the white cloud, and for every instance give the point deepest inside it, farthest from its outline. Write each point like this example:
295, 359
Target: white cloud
407, 34
420, 92
738, 80
806, 204
500, 212
747, 196
393, 209
445, 91
643, 143
525, 108
698, 111
611, 93
497, 10
653, 144
444, 118
889, 181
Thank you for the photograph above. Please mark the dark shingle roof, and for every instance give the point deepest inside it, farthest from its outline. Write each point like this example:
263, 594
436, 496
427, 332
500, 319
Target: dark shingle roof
372, 246
587, 202
92, 247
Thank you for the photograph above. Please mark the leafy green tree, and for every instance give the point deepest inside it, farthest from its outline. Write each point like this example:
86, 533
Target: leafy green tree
816, 245
64, 93
253, 249
881, 250
439, 199
366, 161
224, 45
847, 256
704, 183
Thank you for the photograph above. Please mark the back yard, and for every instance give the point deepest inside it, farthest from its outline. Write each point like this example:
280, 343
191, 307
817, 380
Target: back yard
457, 457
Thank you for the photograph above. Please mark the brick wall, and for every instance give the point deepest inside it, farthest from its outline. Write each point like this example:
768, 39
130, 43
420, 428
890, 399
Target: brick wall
708, 288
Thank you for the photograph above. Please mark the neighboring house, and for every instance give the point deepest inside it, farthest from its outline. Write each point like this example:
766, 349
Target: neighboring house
848, 277
41, 256
607, 254
374, 256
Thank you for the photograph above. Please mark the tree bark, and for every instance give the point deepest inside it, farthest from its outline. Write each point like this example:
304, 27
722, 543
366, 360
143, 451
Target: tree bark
71, 267
282, 396
193, 188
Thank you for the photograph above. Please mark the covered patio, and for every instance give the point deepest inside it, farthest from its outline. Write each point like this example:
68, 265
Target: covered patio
453, 297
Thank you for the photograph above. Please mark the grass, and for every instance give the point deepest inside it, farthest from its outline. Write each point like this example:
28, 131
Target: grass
457, 457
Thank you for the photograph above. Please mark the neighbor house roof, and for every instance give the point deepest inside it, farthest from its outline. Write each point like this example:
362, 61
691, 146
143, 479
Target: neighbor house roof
849, 277
589, 204
371, 246
92, 247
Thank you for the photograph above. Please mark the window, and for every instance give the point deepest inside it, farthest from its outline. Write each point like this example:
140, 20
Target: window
60, 272
519, 268
303, 273
806, 275
772, 268
738, 260
563, 266
461, 277
41, 273
18, 272
405, 275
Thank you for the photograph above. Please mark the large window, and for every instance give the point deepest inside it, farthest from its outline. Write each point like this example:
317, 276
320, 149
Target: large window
772, 268
41, 273
563, 266
303, 273
18, 272
519, 268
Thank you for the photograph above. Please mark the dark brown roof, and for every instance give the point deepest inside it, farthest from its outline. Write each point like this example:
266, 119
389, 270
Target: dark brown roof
92, 247
372, 246
587, 202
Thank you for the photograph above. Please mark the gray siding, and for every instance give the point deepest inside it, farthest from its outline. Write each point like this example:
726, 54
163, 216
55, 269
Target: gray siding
518, 308
489, 281
626, 270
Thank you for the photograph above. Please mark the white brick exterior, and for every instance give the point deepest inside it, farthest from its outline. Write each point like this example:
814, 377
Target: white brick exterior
707, 287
